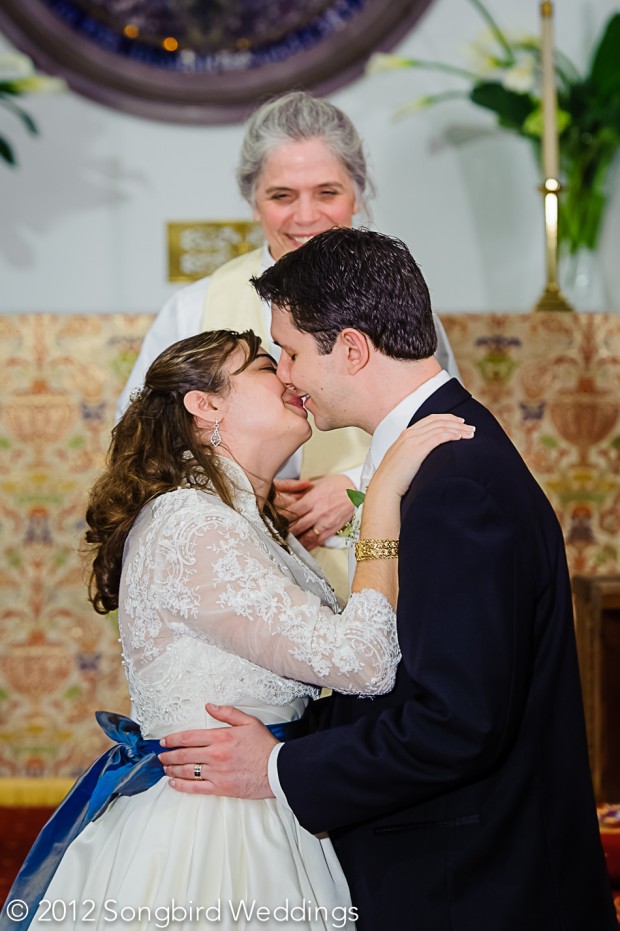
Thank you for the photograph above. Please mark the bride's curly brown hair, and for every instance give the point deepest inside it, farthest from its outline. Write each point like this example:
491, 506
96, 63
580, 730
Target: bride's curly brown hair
156, 448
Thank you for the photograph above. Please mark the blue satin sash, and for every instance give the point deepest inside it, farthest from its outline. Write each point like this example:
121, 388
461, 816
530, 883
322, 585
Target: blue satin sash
129, 767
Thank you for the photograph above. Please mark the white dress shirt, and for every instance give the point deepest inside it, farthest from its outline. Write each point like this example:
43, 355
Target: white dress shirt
398, 419
386, 433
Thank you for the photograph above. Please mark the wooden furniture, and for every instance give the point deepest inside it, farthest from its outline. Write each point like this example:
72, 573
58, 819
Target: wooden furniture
597, 621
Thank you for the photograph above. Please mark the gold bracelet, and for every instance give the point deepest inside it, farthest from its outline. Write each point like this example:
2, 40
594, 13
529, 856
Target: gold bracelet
376, 549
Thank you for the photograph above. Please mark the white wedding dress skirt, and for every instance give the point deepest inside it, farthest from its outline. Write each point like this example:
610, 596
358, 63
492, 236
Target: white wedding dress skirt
212, 608
162, 859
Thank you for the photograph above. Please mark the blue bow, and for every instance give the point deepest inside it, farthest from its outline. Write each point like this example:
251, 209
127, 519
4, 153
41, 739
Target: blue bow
129, 767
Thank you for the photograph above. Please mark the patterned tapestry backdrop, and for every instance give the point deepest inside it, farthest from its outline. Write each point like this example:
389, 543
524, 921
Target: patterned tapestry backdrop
553, 380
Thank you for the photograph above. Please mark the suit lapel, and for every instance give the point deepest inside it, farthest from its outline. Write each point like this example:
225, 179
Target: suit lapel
442, 401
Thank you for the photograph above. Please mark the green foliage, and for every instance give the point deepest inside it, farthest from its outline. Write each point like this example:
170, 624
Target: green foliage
6, 152
604, 71
508, 84
511, 108
8, 90
17, 77
357, 497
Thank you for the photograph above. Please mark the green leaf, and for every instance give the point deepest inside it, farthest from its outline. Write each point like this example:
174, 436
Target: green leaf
512, 109
584, 199
422, 102
357, 497
534, 125
440, 66
605, 70
26, 119
500, 38
6, 152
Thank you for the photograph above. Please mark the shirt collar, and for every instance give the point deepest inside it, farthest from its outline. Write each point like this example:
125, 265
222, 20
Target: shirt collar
398, 418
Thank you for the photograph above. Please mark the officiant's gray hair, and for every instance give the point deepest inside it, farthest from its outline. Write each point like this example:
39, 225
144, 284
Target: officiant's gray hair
298, 117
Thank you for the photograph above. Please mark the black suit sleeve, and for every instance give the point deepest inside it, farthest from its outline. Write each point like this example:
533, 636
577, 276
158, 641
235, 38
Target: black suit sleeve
463, 676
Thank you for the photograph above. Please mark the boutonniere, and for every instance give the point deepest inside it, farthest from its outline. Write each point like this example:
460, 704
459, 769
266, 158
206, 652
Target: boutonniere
351, 531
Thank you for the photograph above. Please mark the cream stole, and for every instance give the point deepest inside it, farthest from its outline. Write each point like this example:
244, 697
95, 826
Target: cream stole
233, 304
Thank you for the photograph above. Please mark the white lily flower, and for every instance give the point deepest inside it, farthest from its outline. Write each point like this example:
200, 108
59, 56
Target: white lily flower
482, 53
41, 84
489, 59
14, 65
523, 76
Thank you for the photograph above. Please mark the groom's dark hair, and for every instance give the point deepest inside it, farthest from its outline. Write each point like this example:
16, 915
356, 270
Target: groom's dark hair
355, 278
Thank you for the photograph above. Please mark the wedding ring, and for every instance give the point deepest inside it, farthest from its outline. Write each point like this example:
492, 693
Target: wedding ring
197, 770
316, 531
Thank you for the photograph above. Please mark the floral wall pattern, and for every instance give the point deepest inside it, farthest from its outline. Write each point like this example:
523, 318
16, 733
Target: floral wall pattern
59, 660
553, 380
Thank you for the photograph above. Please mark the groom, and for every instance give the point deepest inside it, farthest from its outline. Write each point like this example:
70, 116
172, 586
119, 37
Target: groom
462, 800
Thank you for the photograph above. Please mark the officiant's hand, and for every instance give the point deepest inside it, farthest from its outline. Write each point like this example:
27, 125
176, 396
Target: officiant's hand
317, 509
231, 761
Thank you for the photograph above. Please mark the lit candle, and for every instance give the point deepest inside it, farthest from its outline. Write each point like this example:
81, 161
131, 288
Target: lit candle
549, 100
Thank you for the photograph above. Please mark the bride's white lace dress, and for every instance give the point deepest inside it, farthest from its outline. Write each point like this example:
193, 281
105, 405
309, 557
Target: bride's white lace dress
213, 609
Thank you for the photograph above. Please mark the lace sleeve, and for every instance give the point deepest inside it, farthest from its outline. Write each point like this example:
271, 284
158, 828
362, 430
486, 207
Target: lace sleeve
222, 585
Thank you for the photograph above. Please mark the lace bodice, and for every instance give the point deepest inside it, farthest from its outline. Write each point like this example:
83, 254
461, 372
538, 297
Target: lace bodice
213, 609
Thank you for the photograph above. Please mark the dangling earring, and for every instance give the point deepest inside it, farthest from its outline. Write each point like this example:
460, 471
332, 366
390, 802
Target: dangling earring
216, 437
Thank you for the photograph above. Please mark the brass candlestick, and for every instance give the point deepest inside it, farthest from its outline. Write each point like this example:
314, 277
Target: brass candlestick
552, 297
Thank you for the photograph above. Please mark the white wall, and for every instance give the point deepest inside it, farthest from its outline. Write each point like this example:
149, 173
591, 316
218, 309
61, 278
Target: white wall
83, 218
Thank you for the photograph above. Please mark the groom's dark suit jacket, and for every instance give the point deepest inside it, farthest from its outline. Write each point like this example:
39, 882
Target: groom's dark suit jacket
462, 800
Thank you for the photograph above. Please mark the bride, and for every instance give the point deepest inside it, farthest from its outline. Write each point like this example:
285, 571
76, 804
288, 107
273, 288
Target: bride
217, 603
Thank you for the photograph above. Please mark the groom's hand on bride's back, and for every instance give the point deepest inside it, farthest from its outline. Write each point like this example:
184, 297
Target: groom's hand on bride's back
229, 761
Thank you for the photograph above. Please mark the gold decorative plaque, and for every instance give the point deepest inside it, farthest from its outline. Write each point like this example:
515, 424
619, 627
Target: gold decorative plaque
197, 249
